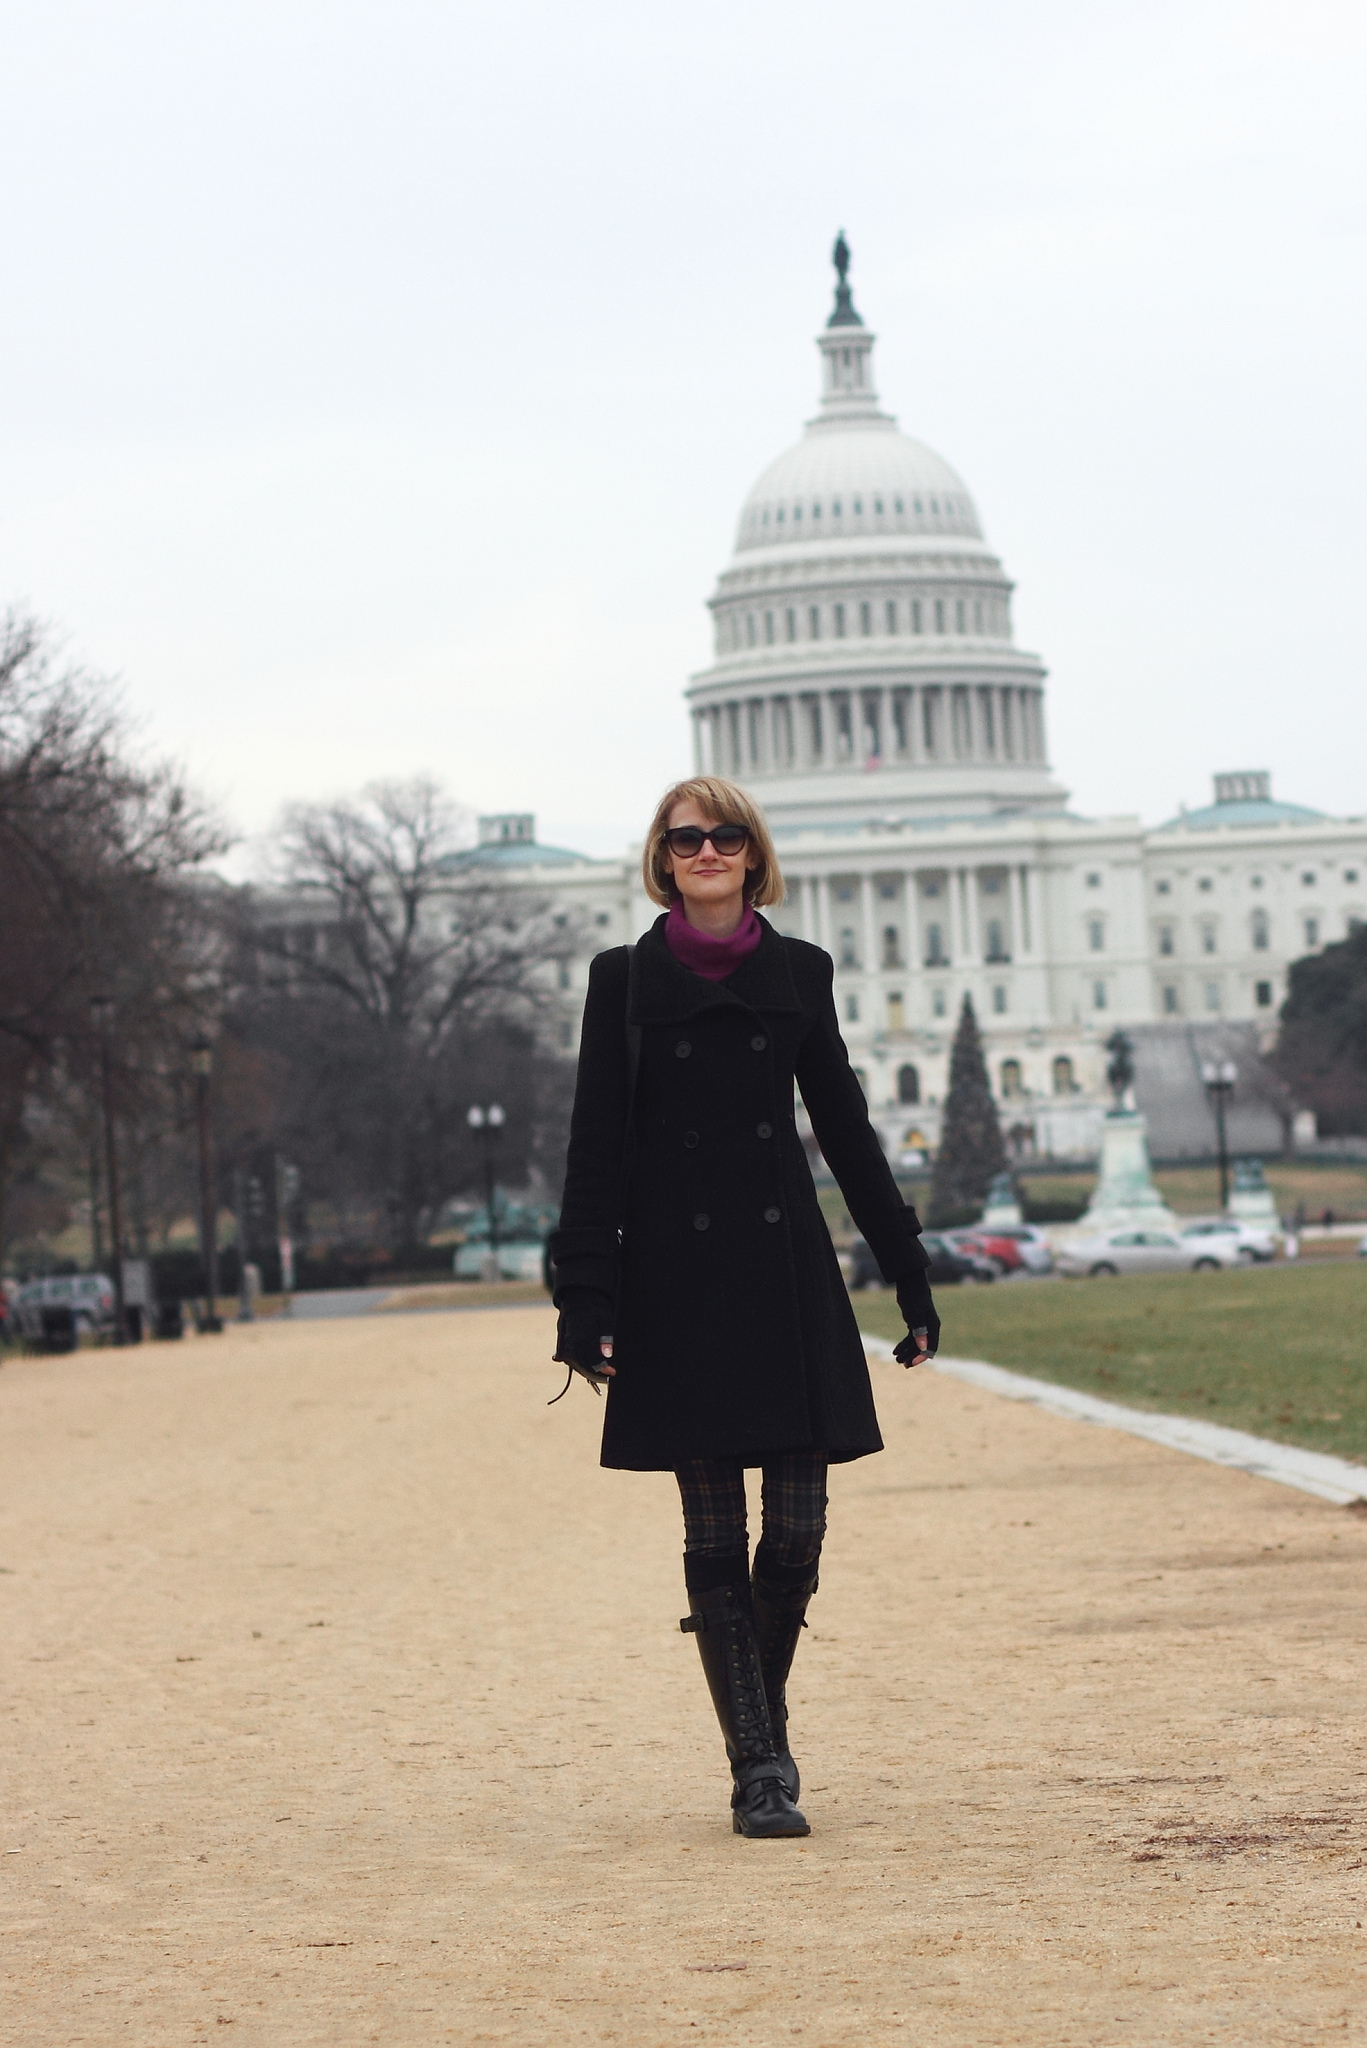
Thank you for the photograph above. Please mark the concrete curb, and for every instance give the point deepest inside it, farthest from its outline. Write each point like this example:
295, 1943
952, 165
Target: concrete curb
1333, 1479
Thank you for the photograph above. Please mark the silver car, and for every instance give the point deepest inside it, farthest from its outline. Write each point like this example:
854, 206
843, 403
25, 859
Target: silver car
1146, 1251
1254, 1244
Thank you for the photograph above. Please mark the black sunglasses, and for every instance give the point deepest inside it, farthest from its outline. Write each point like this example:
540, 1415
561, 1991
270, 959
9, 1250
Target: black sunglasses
686, 840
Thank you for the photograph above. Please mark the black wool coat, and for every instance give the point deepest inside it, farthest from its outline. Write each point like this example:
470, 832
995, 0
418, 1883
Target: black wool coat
733, 1331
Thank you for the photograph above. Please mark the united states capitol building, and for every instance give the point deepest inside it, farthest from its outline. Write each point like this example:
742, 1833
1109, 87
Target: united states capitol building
866, 685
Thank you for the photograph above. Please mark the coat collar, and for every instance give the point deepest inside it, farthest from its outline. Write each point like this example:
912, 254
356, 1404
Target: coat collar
664, 991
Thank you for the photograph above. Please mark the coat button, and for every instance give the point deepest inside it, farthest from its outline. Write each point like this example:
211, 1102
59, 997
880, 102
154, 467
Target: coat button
764, 1130
690, 1139
758, 1042
682, 1049
701, 1220
772, 1215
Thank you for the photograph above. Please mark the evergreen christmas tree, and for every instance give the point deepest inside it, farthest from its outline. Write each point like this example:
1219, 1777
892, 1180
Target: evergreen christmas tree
971, 1153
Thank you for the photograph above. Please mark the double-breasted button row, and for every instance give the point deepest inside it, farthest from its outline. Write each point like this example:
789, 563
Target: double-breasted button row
690, 1139
773, 1215
682, 1049
758, 1042
701, 1220
764, 1130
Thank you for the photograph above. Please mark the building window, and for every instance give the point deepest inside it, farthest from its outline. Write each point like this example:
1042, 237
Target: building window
1205, 885
769, 629
1169, 1000
1255, 881
892, 949
977, 615
1013, 1083
936, 955
1262, 931
1212, 995
916, 615
939, 615
1163, 888
852, 1010
866, 618
749, 629
996, 942
1312, 931
908, 1085
601, 918
791, 623
1308, 879
1098, 995
999, 1000
891, 615
1209, 939
566, 1037
896, 1014
847, 952
1262, 994
931, 889
838, 613
1350, 874
887, 889
1096, 937
814, 621
1094, 881
1166, 941
562, 975
1064, 1082
959, 626
938, 1002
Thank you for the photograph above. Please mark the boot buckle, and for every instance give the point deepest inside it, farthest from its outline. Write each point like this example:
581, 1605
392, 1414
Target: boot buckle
693, 1625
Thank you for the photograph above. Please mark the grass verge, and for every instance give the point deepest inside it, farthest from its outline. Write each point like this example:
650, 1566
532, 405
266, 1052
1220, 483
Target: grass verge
1277, 1350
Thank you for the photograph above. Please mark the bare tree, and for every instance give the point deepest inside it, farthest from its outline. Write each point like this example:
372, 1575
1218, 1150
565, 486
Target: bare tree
94, 848
396, 979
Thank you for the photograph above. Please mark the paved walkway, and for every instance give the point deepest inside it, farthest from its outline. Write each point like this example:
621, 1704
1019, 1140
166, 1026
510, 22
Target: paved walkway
345, 1703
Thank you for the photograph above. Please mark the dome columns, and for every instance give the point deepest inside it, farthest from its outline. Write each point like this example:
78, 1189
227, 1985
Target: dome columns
845, 725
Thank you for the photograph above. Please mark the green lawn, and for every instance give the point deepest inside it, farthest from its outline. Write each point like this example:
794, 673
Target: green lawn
1278, 1350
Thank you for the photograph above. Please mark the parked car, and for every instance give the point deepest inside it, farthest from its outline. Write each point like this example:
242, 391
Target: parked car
1254, 1244
949, 1267
81, 1301
1147, 1251
1015, 1246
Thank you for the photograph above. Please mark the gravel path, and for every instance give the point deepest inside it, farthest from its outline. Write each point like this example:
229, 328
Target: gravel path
345, 1703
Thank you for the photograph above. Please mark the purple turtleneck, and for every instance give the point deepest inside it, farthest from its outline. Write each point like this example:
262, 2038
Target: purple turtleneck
712, 958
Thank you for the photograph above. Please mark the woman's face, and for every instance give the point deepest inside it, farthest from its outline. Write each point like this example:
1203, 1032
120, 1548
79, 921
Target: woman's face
709, 878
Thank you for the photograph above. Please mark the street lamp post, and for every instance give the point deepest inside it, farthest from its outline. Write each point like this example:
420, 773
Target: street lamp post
1219, 1077
487, 1125
202, 1061
102, 1018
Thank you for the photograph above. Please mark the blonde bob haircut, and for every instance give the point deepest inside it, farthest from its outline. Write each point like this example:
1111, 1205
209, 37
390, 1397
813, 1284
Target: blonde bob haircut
724, 804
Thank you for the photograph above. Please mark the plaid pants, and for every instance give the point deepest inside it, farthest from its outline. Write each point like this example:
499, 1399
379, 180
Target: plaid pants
793, 1497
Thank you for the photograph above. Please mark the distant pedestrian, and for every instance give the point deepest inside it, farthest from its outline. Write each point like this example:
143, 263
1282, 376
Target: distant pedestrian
694, 1272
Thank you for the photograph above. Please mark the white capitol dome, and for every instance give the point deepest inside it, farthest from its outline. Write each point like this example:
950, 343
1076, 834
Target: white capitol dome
864, 660
856, 479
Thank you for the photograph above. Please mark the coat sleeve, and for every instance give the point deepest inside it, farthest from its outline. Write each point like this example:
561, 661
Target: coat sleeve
585, 1247
840, 1118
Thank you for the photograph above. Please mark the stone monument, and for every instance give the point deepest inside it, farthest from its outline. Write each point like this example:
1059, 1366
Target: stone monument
1125, 1196
1003, 1204
1251, 1199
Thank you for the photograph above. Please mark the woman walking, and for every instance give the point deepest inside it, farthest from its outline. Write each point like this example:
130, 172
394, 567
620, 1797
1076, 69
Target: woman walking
695, 1277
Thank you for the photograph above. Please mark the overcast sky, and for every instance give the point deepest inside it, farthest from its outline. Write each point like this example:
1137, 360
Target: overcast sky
379, 384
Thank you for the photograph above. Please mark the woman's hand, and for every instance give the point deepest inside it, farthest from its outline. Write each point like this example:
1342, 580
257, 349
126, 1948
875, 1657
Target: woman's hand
582, 1344
917, 1305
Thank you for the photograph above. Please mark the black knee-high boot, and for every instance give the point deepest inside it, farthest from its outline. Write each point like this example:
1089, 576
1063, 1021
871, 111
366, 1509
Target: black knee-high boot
723, 1619
781, 1593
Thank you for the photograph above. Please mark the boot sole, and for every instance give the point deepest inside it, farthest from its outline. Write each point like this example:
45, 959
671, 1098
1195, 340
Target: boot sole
738, 1827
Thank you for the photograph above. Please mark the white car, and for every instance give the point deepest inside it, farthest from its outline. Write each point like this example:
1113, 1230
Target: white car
1146, 1251
1254, 1244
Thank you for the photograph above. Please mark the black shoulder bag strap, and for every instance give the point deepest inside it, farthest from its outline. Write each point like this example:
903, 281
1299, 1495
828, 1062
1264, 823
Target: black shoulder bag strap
633, 1034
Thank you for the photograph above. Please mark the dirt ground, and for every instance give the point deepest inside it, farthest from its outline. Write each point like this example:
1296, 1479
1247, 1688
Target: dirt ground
346, 1702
